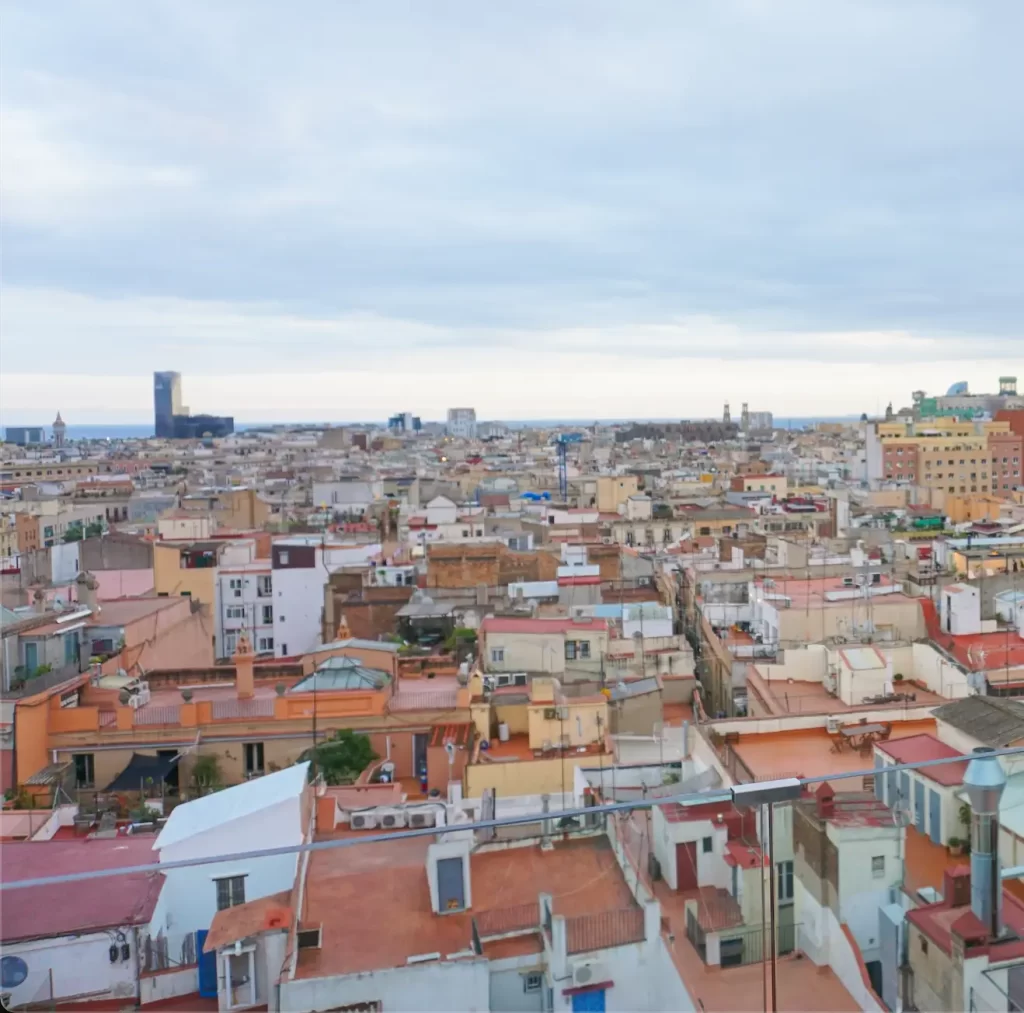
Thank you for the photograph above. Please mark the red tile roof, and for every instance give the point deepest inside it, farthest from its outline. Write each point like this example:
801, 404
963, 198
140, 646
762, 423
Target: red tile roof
604, 929
918, 748
92, 904
510, 624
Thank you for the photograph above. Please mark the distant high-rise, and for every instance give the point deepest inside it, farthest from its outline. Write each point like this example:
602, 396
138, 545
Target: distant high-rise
462, 423
726, 417
166, 402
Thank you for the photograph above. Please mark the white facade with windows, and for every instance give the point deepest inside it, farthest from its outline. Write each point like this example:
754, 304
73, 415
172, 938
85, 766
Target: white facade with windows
245, 601
267, 809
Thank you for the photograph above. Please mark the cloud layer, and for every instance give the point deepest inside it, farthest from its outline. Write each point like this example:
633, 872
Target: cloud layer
464, 191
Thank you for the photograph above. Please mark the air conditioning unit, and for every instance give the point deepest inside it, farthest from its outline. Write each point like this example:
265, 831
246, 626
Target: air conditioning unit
363, 821
862, 579
832, 726
391, 819
847, 581
424, 818
588, 973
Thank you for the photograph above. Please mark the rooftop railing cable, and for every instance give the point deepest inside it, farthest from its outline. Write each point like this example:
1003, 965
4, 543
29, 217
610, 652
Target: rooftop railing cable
757, 793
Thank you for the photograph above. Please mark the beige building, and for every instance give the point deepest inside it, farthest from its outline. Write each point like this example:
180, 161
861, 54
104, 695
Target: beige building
614, 490
569, 648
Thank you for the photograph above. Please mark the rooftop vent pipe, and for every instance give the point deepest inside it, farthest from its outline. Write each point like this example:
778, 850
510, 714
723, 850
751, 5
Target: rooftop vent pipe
985, 781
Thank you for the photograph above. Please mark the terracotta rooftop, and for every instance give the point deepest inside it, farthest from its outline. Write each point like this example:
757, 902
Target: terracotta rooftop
810, 753
374, 902
242, 920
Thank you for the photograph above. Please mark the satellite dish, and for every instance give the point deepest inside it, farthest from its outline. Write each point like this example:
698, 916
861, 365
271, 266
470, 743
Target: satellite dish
13, 971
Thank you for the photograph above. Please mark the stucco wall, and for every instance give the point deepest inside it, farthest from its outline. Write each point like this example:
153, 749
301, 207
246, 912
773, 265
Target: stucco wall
459, 987
80, 966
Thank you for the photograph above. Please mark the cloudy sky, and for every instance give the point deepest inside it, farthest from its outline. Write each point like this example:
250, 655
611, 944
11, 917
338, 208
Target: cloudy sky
339, 210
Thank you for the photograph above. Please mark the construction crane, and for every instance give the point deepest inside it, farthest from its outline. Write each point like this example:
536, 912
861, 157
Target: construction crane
562, 441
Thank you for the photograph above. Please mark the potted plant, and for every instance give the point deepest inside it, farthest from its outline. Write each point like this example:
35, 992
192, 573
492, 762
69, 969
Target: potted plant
898, 677
186, 695
956, 846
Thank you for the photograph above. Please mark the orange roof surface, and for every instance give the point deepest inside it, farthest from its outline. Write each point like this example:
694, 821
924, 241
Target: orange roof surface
260, 915
374, 901
810, 753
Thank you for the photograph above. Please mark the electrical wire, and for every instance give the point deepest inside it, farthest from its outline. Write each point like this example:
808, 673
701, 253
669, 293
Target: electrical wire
724, 796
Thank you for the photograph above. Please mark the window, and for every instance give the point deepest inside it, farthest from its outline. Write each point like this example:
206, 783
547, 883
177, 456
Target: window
85, 771
583, 648
706, 845
253, 757
230, 891
570, 650
785, 878
284, 650
266, 643
497, 654
236, 612
924, 945
263, 587
878, 866
533, 982
283, 558
268, 614
230, 643
235, 583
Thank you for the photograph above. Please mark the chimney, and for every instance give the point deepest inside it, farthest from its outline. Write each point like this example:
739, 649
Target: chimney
39, 602
244, 660
956, 886
825, 799
86, 587
985, 780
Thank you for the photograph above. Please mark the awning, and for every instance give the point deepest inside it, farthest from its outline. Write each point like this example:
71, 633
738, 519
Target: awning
143, 771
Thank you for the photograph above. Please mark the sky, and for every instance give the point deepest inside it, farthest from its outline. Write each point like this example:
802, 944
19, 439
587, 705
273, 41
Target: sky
340, 210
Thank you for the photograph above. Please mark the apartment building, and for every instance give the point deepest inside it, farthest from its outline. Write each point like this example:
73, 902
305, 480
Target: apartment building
462, 423
245, 603
943, 454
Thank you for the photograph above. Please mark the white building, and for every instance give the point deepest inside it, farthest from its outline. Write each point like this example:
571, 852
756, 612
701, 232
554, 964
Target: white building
266, 812
351, 497
57, 940
462, 423
245, 601
300, 568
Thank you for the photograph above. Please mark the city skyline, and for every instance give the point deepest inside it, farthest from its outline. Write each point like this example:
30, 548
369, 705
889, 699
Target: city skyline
639, 209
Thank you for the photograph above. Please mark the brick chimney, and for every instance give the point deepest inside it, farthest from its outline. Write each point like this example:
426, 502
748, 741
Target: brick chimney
244, 661
956, 886
825, 800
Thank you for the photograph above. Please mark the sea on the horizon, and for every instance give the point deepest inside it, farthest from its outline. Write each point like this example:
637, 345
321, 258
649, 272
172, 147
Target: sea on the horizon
140, 431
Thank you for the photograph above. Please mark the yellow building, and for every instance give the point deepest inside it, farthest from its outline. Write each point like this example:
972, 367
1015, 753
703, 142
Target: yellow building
614, 490
187, 568
535, 737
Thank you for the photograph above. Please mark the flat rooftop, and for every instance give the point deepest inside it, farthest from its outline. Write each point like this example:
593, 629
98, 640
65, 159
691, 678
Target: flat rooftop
785, 696
810, 753
373, 901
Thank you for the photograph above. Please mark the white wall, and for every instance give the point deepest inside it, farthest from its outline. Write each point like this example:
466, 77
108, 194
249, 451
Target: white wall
80, 965
298, 602
861, 893
711, 867
644, 978
821, 937
938, 674
175, 981
457, 986
188, 900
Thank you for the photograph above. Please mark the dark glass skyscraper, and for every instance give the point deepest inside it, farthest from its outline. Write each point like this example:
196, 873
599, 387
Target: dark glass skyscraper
166, 402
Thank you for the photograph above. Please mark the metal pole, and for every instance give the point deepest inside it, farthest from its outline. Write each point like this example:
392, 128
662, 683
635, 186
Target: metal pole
771, 900
764, 970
